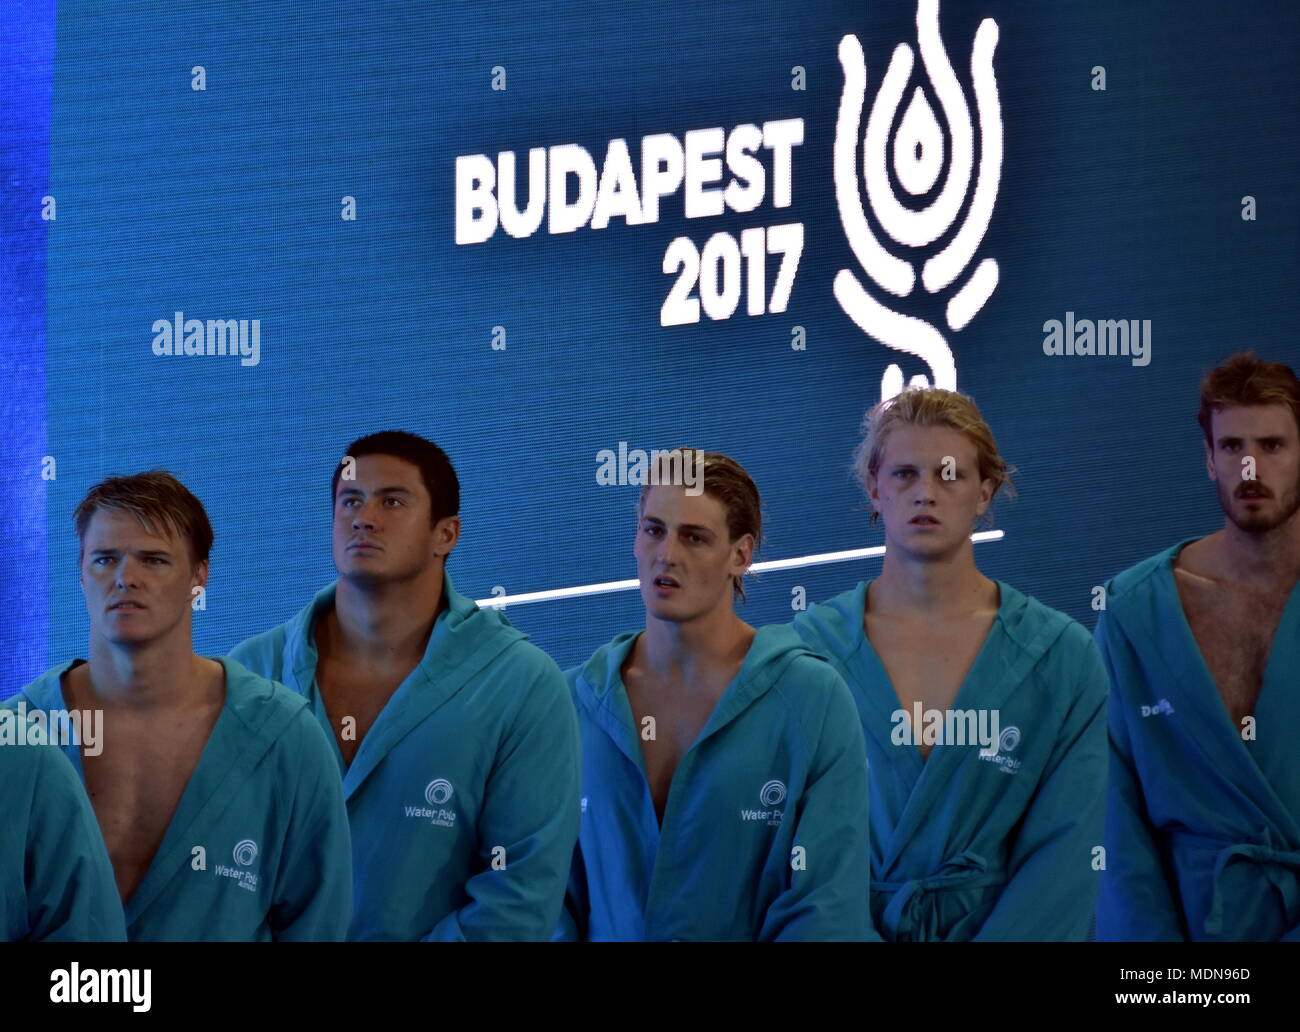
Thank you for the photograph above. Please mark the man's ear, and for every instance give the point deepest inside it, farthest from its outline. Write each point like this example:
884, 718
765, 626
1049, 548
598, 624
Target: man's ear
1209, 462
873, 491
745, 546
446, 532
199, 577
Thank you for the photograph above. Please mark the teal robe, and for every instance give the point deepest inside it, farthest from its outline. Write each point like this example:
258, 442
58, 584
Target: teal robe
257, 849
56, 882
463, 795
968, 847
1203, 825
764, 836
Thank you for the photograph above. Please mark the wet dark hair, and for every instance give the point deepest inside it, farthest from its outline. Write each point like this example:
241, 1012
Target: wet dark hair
436, 470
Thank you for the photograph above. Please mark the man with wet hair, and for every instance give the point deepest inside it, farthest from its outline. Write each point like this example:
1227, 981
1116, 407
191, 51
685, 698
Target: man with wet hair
724, 777
987, 810
213, 787
453, 736
1203, 644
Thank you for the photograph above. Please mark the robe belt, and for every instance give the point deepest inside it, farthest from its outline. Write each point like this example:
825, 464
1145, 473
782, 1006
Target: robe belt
965, 871
1269, 857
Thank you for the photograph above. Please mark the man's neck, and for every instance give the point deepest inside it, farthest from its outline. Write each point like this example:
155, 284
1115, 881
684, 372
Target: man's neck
162, 674
689, 651
932, 587
1271, 558
388, 623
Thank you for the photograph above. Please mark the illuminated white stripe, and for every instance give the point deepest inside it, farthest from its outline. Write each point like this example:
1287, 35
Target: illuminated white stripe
947, 265
584, 590
893, 274
966, 303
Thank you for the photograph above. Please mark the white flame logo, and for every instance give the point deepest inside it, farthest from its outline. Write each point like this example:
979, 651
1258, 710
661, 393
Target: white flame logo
918, 154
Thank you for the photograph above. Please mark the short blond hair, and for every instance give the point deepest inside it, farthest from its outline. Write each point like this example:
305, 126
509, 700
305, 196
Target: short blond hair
931, 406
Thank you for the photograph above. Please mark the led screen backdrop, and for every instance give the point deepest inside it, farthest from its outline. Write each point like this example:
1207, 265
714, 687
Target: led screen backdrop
539, 232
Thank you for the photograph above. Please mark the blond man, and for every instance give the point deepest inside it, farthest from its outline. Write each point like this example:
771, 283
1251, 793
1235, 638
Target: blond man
983, 709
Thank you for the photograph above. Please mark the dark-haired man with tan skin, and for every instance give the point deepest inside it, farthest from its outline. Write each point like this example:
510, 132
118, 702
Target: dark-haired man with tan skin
1203, 644
453, 735
214, 788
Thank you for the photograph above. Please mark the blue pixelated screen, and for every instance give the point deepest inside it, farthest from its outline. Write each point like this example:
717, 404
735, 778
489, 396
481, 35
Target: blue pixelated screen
237, 236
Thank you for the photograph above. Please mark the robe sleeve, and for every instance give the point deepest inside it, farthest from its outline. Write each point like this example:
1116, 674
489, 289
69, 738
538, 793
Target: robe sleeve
70, 888
576, 911
828, 891
1138, 901
528, 825
313, 900
1052, 885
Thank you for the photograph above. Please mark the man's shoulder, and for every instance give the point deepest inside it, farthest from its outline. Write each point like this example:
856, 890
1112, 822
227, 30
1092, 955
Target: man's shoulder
521, 663
31, 764
1062, 648
268, 652
261, 702
20, 760
834, 622
813, 673
1062, 633
44, 692
1140, 580
263, 653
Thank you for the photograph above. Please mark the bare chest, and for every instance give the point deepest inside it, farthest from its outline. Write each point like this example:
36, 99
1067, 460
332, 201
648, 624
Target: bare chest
927, 662
668, 724
354, 697
1234, 629
136, 784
